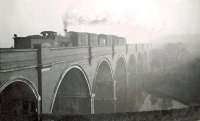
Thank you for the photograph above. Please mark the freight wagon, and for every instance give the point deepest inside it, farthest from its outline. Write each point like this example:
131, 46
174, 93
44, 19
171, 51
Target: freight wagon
70, 39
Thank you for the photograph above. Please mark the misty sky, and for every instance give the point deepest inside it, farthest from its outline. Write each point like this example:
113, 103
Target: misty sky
137, 20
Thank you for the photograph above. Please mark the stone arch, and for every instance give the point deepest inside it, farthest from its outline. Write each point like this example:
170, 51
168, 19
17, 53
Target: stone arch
72, 93
132, 83
121, 85
103, 88
19, 97
132, 65
145, 62
140, 64
136, 95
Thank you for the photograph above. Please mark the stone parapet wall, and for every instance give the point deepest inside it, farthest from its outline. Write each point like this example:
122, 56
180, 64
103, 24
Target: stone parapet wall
186, 114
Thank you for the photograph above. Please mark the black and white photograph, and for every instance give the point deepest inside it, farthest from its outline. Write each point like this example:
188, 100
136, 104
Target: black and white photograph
100, 60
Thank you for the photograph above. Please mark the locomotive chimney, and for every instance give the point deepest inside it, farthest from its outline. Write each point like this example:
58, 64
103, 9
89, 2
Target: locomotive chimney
65, 27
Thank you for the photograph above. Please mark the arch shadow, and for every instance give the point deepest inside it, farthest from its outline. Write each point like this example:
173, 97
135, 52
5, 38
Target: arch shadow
121, 85
19, 97
104, 88
132, 83
72, 93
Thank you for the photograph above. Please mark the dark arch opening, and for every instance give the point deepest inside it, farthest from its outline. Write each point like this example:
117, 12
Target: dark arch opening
73, 96
140, 63
132, 67
136, 95
104, 89
121, 86
145, 62
17, 102
132, 70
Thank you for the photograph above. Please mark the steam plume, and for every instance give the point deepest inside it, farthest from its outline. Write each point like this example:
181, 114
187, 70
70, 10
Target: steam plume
73, 18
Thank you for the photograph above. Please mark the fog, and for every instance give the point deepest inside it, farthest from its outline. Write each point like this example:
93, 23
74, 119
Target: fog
155, 21
175, 72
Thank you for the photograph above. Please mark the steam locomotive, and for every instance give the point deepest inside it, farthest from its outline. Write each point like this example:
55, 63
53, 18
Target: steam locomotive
71, 39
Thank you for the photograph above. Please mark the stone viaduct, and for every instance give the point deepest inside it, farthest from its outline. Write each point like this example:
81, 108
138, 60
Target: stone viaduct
71, 80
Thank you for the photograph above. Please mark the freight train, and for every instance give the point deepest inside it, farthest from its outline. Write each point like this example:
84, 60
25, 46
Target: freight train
70, 39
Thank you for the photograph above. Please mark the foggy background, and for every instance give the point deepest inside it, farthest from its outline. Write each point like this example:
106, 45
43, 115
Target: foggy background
156, 21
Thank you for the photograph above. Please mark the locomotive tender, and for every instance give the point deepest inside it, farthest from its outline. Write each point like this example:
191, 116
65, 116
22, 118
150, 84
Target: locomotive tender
71, 39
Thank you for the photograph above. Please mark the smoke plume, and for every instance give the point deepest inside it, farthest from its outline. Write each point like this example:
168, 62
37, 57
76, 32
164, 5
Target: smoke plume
72, 18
